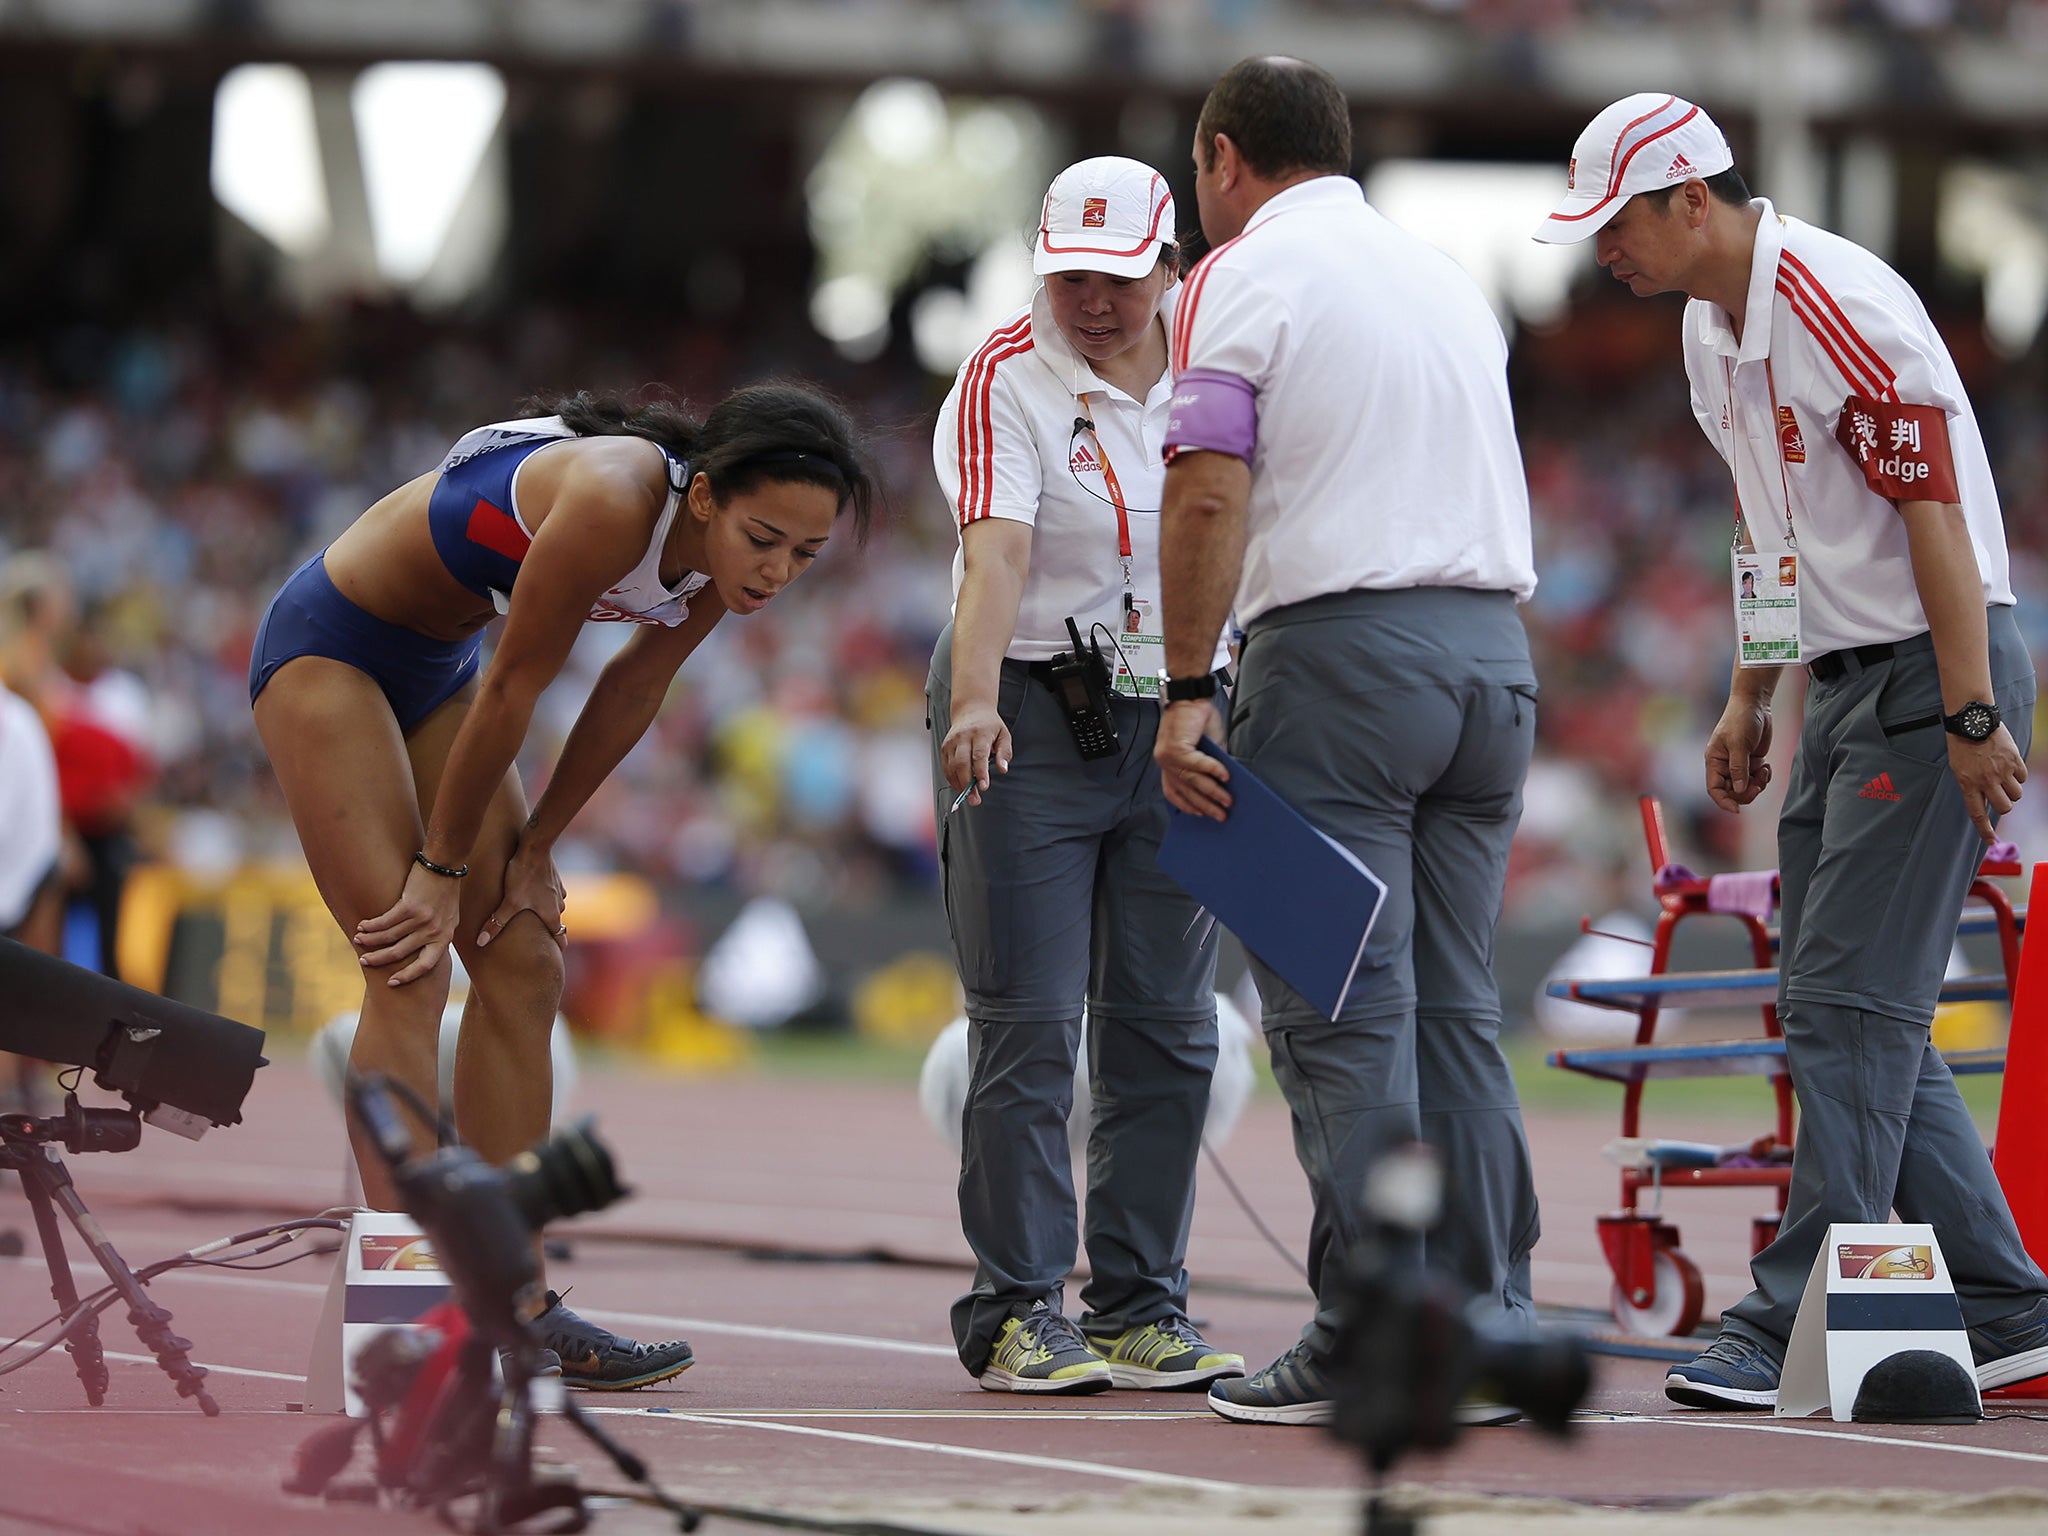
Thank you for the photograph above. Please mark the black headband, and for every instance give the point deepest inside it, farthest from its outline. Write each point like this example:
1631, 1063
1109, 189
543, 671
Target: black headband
797, 456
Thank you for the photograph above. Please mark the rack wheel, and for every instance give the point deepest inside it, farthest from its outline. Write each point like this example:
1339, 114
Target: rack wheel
1675, 1310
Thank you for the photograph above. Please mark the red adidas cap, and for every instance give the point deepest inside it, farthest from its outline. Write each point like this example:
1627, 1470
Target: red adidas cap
1639, 144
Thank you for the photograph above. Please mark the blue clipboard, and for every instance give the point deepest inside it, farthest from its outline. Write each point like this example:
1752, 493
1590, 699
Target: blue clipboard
1296, 898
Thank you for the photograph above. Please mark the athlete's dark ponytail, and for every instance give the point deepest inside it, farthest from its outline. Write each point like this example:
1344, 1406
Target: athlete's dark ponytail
764, 433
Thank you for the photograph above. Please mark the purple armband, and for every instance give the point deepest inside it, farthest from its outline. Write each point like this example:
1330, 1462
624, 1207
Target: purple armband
1213, 411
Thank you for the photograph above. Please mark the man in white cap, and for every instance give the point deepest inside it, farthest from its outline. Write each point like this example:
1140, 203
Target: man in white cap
1048, 449
1344, 473
1868, 546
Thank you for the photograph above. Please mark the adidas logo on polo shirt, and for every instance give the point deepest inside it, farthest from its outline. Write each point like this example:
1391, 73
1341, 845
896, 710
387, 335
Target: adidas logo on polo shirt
1083, 462
1680, 166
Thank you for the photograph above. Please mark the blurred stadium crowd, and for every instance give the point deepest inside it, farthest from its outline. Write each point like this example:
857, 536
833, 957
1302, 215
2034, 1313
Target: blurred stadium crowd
169, 475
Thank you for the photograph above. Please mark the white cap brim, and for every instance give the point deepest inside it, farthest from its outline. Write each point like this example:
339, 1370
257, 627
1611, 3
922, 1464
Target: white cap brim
1579, 217
1080, 258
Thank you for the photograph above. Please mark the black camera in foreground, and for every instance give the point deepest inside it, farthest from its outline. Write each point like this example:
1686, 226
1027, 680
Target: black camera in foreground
482, 1218
1407, 1358
452, 1399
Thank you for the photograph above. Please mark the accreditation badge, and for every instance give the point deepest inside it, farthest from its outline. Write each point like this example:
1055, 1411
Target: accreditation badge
1141, 652
1766, 608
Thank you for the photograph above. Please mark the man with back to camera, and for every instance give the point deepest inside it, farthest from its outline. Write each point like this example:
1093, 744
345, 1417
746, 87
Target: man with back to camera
1343, 468
1865, 506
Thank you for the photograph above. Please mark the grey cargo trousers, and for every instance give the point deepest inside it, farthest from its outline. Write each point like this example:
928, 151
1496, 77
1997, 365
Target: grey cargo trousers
1401, 723
1053, 900
1875, 854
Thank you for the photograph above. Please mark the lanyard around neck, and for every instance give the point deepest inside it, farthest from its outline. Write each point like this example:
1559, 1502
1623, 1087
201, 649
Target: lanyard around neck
1777, 439
1116, 492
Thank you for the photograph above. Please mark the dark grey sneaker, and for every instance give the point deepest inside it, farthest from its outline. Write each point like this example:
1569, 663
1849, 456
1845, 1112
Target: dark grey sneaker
1730, 1373
598, 1359
1295, 1389
2013, 1348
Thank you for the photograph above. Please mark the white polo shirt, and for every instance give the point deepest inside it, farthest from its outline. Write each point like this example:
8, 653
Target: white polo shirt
1840, 323
31, 831
1386, 453
1006, 445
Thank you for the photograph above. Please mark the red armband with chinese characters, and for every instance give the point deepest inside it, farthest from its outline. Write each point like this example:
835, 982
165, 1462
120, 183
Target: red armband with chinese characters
1901, 449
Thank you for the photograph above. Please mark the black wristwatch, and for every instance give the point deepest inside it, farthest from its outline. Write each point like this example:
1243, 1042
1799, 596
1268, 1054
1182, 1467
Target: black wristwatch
1975, 721
1200, 686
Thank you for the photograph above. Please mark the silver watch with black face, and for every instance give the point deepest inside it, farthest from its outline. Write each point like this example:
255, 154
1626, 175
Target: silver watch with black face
1975, 721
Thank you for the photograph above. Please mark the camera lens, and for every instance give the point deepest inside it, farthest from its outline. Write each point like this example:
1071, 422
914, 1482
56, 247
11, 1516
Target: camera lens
102, 1130
564, 1176
1546, 1378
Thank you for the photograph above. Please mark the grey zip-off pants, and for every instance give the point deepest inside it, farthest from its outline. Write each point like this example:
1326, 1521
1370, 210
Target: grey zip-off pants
1875, 854
1401, 724
1053, 901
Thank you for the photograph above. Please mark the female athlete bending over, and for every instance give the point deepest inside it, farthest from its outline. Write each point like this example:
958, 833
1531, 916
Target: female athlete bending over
396, 757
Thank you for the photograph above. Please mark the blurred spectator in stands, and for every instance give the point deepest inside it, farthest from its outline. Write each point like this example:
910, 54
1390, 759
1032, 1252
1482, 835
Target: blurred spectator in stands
31, 842
174, 473
96, 719
104, 765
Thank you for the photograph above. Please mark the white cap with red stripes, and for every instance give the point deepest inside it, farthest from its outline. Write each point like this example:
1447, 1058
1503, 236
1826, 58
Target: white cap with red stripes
1640, 144
1109, 215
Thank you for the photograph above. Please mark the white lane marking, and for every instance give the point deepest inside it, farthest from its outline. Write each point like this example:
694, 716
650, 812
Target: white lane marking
1886, 1441
966, 1415
635, 1319
971, 1453
156, 1414
787, 1335
224, 1370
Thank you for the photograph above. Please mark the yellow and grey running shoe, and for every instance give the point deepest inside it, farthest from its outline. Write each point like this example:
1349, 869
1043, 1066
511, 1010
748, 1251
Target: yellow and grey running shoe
1042, 1351
1166, 1356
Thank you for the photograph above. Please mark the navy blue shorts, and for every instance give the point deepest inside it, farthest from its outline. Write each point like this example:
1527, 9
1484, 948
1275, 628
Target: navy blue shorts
310, 617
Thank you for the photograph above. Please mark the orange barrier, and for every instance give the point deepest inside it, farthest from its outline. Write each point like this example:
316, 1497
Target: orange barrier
2021, 1156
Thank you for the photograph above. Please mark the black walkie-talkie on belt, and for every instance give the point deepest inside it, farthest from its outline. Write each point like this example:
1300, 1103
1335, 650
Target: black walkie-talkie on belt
1080, 680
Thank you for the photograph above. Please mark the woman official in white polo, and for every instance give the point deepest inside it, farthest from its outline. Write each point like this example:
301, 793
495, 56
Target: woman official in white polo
1048, 449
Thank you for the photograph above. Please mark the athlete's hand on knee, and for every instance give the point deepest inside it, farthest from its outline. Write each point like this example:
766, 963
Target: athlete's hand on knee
977, 744
1990, 772
417, 930
531, 885
1737, 770
1193, 780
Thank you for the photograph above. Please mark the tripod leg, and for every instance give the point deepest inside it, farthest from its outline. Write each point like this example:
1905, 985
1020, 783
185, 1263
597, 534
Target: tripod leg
152, 1323
688, 1517
82, 1340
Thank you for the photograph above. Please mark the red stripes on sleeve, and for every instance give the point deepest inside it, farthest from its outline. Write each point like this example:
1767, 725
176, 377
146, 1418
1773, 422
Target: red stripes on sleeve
976, 444
1184, 314
1854, 358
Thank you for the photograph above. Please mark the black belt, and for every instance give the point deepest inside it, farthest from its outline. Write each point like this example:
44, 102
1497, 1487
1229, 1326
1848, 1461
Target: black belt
1042, 670
1835, 664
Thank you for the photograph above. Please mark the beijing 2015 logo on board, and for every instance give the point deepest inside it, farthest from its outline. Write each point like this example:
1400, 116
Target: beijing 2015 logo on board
1876, 1261
397, 1251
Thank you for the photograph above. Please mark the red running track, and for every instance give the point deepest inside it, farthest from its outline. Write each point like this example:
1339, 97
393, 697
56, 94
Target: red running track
831, 1384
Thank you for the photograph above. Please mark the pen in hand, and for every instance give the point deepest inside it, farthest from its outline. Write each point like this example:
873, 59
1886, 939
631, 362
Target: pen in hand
960, 799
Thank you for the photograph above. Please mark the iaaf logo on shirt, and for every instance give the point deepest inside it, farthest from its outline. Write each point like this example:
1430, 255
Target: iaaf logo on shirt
1094, 212
1083, 462
1789, 436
